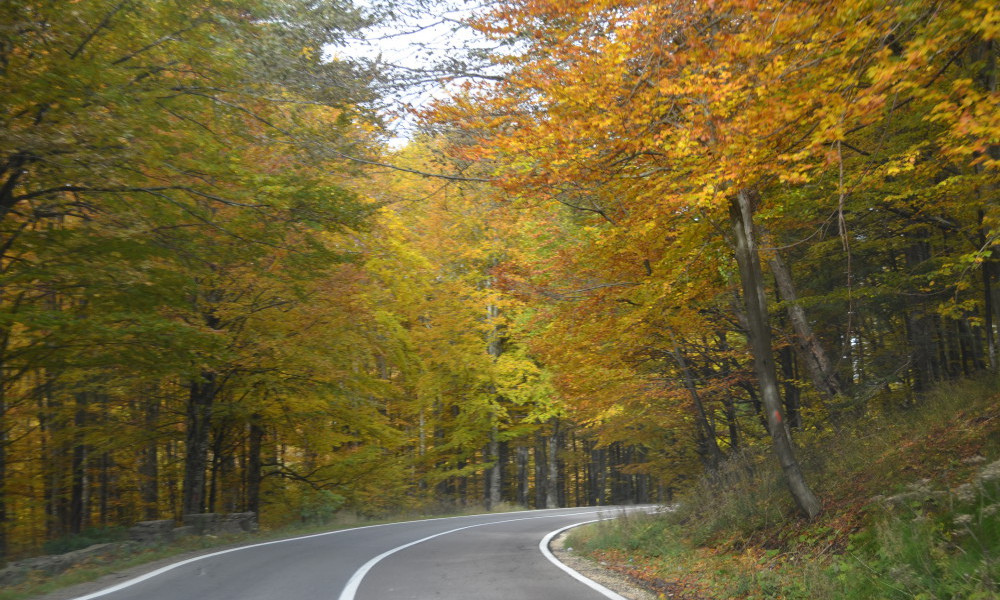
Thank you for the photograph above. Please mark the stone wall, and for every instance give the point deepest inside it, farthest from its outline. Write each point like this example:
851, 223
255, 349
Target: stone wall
142, 534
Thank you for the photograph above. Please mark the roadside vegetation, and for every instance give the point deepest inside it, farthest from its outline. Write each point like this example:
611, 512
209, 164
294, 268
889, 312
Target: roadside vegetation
911, 500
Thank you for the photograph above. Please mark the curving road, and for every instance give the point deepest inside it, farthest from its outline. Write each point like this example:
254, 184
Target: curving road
497, 556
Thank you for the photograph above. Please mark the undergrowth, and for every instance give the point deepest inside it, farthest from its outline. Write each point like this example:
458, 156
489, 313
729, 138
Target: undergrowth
911, 499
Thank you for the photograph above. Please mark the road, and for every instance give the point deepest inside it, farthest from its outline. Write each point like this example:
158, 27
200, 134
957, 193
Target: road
496, 556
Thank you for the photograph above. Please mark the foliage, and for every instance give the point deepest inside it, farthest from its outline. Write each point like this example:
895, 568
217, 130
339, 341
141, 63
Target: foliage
919, 521
213, 295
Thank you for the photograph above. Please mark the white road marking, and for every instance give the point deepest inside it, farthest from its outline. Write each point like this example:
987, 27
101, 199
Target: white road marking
351, 589
544, 547
130, 582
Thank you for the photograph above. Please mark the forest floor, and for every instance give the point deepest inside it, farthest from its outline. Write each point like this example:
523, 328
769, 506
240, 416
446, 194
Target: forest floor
911, 509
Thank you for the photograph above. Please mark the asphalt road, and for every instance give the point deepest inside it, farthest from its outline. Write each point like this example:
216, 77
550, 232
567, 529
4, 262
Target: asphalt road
498, 556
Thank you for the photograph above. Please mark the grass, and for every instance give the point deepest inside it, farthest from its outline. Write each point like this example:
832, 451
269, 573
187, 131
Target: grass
911, 500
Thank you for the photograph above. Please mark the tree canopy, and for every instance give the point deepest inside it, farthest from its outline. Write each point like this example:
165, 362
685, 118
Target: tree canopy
641, 239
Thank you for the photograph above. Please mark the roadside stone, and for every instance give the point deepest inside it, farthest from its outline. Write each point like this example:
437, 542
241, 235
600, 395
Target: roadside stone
204, 523
152, 532
238, 522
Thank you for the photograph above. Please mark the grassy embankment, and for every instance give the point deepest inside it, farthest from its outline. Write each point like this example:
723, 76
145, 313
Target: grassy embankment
911, 510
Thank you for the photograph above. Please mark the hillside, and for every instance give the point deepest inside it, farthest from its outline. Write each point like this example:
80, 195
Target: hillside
911, 501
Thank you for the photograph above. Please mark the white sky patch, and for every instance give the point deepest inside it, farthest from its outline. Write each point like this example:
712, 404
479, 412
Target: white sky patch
415, 45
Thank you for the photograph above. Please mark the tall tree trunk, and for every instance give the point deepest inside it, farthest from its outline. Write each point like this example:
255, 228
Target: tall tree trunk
107, 479
807, 345
793, 399
991, 348
552, 466
253, 468
541, 463
759, 333
199, 412
598, 476
985, 53
149, 464
3, 466
522, 475
215, 468
708, 445
920, 324
493, 473
79, 477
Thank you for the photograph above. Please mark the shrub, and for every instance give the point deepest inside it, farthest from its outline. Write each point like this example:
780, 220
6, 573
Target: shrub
87, 537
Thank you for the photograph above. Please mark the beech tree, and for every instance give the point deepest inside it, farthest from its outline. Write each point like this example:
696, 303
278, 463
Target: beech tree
732, 114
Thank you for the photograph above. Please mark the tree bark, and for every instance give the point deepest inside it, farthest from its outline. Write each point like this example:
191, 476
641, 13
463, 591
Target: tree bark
253, 474
79, 508
149, 466
3, 466
493, 474
759, 334
807, 346
919, 323
598, 476
552, 467
201, 396
707, 442
541, 463
522, 475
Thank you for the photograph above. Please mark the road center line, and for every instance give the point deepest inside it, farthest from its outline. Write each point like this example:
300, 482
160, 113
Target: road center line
351, 589
130, 582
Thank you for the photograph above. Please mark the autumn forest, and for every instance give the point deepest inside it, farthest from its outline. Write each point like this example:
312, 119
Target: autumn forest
631, 241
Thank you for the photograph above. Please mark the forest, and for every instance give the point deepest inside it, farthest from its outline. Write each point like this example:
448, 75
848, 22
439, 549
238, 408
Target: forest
635, 240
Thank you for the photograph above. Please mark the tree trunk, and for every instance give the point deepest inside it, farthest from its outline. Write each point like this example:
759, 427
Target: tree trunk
541, 463
919, 324
253, 474
708, 445
3, 467
80, 482
991, 349
793, 399
149, 465
493, 474
552, 467
759, 333
199, 412
811, 352
598, 476
522, 476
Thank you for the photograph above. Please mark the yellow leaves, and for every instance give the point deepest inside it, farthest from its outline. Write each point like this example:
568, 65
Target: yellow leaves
983, 18
903, 163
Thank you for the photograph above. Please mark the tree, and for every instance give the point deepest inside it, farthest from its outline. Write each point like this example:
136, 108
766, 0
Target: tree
738, 112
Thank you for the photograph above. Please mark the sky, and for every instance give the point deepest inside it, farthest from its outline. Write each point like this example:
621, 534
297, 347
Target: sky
422, 34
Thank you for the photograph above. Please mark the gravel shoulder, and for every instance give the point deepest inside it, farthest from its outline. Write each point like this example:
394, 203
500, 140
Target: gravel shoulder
612, 580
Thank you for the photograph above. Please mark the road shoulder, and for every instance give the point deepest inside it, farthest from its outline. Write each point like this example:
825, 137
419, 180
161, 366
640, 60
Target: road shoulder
612, 580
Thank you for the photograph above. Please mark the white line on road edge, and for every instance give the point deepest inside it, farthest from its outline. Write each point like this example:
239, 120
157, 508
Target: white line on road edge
355, 581
544, 547
170, 567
